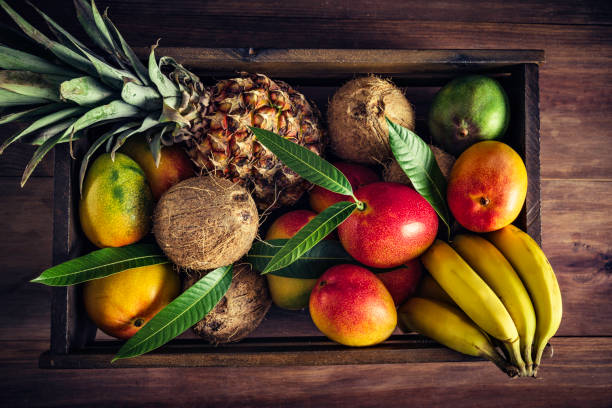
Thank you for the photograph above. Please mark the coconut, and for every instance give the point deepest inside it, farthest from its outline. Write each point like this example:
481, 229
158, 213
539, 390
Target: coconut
356, 116
394, 173
239, 312
205, 222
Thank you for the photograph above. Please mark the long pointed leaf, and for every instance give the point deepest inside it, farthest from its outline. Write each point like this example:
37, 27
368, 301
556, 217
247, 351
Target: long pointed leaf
313, 232
108, 74
182, 313
105, 35
31, 84
101, 263
111, 111
165, 87
19, 60
60, 51
8, 98
419, 163
85, 17
146, 124
137, 65
64, 37
41, 136
39, 154
90, 18
33, 112
41, 123
104, 113
84, 91
310, 265
304, 162
156, 142
96, 145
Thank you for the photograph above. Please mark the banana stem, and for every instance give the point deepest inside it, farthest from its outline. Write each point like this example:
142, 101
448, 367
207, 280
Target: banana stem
501, 363
542, 347
514, 350
538, 358
526, 353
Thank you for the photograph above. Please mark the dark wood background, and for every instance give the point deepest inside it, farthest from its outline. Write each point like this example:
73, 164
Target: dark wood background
576, 154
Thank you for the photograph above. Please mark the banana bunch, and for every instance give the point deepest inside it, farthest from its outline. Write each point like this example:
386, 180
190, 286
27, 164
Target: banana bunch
499, 290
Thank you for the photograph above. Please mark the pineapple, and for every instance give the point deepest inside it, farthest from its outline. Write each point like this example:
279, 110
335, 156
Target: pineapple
62, 99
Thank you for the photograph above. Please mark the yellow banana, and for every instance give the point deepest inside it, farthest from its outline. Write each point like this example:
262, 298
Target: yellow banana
538, 277
449, 326
496, 271
430, 289
473, 296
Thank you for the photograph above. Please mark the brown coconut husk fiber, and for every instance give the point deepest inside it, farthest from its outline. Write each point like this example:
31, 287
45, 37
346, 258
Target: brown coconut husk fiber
356, 115
205, 222
239, 312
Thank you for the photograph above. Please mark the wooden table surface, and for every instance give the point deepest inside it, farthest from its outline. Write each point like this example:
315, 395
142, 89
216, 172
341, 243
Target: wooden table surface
576, 155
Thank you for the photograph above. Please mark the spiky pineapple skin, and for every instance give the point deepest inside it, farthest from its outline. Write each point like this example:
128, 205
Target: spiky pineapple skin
220, 142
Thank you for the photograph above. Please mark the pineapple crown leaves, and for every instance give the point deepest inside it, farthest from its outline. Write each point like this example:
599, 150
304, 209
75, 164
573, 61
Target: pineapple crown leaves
79, 89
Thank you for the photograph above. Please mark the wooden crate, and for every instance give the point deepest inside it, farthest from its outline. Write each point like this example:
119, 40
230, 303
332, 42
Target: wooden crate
290, 338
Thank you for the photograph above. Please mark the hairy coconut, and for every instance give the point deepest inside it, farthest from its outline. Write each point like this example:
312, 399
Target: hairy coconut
394, 173
205, 222
239, 312
356, 116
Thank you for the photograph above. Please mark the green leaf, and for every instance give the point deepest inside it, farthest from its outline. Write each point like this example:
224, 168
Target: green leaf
313, 232
144, 97
41, 136
155, 143
96, 145
8, 99
107, 73
105, 113
419, 163
32, 112
146, 124
165, 87
182, 313
101, 263
60, 51
111, 111
84, 90
38, 155
19, 60
169, 114
304, 162
86, 18
62, 35
41, 123
310, 265
31, 84
137, 65
107, 42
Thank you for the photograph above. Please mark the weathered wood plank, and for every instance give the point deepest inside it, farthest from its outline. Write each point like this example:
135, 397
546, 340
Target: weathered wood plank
576, 235
492, 11
25, 313
577, 375
25, 241
15, 158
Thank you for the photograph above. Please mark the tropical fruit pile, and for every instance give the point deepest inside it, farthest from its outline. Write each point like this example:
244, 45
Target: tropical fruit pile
396, 230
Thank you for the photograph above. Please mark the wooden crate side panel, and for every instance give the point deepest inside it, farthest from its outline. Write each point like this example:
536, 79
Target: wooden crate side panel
326, 63
531, 151
70, 327
72, 330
